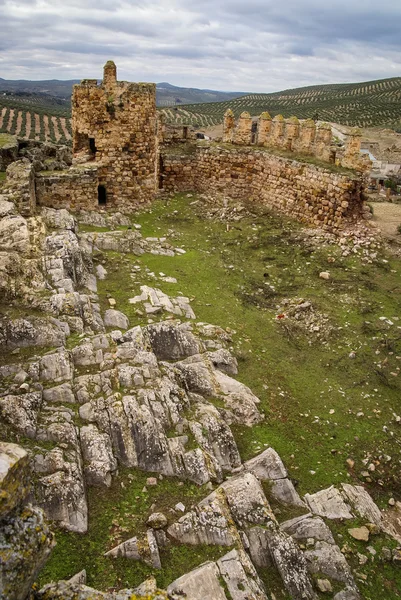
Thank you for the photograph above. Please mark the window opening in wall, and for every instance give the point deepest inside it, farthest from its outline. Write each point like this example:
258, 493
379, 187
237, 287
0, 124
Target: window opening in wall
254, 132
92, 145
101, 195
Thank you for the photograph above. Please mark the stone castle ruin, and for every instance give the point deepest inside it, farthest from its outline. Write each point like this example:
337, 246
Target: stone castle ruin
124, 155
114, 125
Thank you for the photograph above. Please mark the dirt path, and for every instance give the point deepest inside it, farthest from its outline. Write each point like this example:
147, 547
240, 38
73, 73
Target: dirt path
387, 217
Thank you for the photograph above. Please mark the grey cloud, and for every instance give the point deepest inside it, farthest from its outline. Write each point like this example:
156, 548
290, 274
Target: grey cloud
257, 45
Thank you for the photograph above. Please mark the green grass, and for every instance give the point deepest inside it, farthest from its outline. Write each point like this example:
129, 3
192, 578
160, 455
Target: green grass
119, 514
293, 373
6, 139
237, 278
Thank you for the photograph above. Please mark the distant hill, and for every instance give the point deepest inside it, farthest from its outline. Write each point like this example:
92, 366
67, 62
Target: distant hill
42, 109
51, 87
166, 94
357, 104
170, 95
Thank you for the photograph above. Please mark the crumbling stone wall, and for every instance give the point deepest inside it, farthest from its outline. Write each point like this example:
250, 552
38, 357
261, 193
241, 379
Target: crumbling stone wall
19, 186
309, 193
114, 125
74, 189
302, 137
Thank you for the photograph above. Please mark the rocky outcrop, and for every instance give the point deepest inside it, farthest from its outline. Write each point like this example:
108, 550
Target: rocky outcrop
25, 539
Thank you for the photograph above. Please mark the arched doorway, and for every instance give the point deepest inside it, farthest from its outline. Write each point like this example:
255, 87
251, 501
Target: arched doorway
101, 195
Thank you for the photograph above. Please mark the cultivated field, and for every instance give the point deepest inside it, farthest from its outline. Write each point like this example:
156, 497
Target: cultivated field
35, 118
362, 104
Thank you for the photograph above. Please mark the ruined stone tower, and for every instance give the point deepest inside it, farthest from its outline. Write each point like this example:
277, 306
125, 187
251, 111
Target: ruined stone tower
114, 126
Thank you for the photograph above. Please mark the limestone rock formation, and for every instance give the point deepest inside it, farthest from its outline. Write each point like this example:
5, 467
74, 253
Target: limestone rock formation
25, 539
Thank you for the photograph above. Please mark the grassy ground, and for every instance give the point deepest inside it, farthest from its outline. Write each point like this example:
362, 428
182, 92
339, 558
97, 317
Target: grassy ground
328, 395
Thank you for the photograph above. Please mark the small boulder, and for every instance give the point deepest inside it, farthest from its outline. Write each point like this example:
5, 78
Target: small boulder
324, 586
359, 533
157, 520
115, 318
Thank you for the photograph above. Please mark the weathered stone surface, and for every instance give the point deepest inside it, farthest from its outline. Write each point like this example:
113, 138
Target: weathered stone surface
266, 466
362, 502
79, 578
56, 367
208, 523
359, 533
199, 584
25, 542
59, 219
247, 501
32, 331
98, 456
284, 491
21, 412
170, 341
307, 527
157, 520
290, 563
59, 394
14, 477
115, 318
61, 490
14, 234
240, 577
144, 549
327, 559
328, 503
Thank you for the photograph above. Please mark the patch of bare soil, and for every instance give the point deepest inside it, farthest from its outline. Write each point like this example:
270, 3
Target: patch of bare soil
10, 119
19, 123
215, 131
37, 126
47, 128
64, 128
28, 125
387, 217
2, 114
57, 134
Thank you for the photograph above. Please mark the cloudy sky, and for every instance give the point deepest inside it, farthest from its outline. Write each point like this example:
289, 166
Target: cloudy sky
239, 45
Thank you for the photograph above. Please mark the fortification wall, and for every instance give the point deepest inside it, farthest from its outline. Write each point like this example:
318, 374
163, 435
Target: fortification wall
302, 137
114, 124
309, 193
75, 189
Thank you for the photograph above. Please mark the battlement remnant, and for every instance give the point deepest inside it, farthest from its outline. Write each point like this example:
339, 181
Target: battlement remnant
303, 137
243, 129
228, 126
114, 125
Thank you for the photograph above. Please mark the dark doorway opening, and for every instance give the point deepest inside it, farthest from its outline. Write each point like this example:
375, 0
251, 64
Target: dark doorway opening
101, 194
92, 145
185, 133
